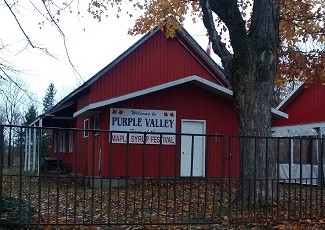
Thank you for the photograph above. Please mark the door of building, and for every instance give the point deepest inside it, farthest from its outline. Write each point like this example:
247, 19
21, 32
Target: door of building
193, 148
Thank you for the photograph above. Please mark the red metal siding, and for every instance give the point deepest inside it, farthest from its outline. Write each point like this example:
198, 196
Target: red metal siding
307, 107
81, 149
156, 61
189, 102
83, 100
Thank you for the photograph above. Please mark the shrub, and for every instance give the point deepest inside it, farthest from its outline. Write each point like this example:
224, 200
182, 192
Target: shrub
15, 213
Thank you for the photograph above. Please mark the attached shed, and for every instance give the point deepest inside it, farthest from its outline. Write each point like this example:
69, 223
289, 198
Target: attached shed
302, 149
162, 108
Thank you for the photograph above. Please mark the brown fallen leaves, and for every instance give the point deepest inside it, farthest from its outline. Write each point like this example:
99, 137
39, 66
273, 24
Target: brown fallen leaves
62, 203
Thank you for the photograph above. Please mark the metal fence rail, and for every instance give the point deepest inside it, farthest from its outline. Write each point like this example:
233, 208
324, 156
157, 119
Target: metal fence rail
142, 184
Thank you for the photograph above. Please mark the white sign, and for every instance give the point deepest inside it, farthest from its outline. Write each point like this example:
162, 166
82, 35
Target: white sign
140, 120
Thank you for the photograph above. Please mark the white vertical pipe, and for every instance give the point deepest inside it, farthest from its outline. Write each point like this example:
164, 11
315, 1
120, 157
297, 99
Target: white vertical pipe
29, 148
39, 147
34, 149
100, 161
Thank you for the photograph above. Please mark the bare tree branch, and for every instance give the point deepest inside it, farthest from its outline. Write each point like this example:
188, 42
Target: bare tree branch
50, 18
8, 77
18, 23
64, 41
217, 45
13, 99
228, 12
44, 50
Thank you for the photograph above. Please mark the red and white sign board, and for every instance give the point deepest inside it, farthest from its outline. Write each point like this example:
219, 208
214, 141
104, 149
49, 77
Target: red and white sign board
140, 120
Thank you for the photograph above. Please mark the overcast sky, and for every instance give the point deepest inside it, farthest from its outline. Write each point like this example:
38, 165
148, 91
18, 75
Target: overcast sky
90, 50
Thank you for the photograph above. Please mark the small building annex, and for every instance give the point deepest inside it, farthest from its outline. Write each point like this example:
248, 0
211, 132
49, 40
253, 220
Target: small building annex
161, 87
301, 149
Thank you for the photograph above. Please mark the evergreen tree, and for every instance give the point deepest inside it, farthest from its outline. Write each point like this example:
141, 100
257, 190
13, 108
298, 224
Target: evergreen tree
30, 115
48, 101
20, 132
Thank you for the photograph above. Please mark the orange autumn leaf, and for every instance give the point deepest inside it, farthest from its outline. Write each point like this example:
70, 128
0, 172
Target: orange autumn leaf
302, 33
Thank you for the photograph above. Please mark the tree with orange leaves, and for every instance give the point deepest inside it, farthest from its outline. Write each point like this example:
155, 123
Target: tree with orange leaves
270, 42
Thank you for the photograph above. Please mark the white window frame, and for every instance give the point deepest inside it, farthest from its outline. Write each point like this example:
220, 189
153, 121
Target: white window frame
70, 141
60, 142
96, 125
86, 128
55, 141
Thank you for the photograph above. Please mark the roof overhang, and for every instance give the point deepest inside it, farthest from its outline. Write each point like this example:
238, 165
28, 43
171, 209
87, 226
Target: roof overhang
277, 114
300, 130
194, 79
40, 120
199, 52
290, 97
59, 107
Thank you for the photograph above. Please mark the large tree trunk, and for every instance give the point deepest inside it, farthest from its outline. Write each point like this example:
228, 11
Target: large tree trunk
252, 79
250, 69
252, 98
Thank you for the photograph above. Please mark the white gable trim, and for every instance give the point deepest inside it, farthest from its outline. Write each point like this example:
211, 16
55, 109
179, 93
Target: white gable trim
194, 78
290, 97
279, 114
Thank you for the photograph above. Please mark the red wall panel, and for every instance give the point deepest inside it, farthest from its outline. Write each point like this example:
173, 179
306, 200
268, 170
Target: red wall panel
307, 107
156, 61
190, 102
83, 99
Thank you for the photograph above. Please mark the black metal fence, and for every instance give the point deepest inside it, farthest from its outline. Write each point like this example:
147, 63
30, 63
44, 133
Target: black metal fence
70, 177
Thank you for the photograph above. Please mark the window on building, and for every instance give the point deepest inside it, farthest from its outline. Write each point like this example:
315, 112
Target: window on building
56, 144
96, 125
86, 128
297, 150
304, 151
70, 141
59, 141
283, 151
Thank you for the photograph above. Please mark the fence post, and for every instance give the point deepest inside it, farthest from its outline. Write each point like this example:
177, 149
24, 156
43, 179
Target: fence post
320, 162
321, 174
9, 147
1, 165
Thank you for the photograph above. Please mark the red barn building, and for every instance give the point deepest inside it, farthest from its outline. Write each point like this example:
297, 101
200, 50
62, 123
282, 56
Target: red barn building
160, 87
302, 151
